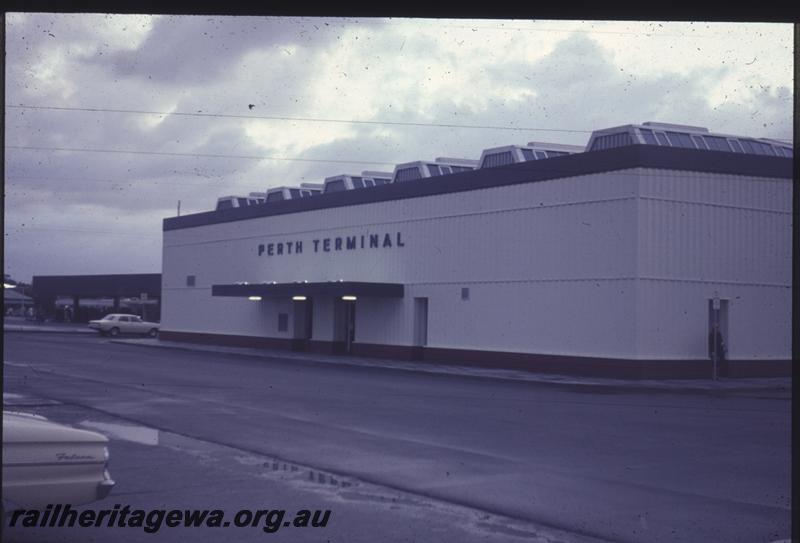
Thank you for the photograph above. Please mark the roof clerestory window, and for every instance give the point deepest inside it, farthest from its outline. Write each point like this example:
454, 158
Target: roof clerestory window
494, 160
700, 143
679, 139
716, 143
662, 139
735, 146
408, 174
648, 136
335, 186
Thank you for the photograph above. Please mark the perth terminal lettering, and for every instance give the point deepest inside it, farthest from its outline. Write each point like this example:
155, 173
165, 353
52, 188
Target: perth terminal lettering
326, 245
270, 520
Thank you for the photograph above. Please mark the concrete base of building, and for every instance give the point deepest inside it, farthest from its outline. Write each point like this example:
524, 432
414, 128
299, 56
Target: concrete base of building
540, 363
228, 340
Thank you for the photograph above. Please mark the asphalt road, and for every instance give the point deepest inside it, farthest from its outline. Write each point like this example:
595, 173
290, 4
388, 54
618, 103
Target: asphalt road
479, 459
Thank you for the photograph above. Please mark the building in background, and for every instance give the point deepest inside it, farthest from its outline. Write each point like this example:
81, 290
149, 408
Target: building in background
16, 303
617, 260
81, 298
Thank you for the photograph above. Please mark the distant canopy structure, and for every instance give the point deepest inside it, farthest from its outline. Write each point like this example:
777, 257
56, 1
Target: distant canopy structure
47, 289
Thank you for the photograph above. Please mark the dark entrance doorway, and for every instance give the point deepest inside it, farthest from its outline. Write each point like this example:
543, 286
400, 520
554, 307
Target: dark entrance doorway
303, 322
344, 325
718, 339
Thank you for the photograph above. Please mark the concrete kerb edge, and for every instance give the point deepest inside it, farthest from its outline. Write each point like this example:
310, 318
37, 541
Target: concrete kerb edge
82, 332
137, 343
633, 386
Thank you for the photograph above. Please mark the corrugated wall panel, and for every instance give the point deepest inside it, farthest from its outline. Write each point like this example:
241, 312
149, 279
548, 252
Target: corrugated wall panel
600, 265
702, 236
497, 237
581, 228
576, 241
581, 318
684, 240
195, 310
673, 320
735, 190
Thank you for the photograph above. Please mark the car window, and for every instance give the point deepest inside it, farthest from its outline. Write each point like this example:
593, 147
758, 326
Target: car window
110, 318
124, 319
136, 319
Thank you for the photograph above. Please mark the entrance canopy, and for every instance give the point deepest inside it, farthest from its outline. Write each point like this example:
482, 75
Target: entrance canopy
330, 288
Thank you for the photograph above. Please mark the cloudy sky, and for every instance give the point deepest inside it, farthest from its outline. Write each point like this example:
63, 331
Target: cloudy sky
110, 120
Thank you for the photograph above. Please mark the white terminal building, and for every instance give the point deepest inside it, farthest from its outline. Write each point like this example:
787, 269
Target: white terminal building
616, 259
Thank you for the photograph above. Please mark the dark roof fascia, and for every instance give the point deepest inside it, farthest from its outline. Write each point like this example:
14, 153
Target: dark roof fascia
334, 288
621, 158
97, 285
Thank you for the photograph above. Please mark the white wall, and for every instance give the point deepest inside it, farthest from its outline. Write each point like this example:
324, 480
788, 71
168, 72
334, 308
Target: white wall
702, 236
195, 310
578, 317
478, 235
673, 322
385, 320
531, 255
618, 264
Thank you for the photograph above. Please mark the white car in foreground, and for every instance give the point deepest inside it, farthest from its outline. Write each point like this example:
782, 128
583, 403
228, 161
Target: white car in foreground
120, 323
49, 463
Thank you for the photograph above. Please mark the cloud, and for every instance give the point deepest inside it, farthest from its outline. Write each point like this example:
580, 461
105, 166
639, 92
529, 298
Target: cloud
549, 75
191, 50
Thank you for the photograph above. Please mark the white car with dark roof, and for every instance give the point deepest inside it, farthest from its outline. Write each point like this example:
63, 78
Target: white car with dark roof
122, 323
